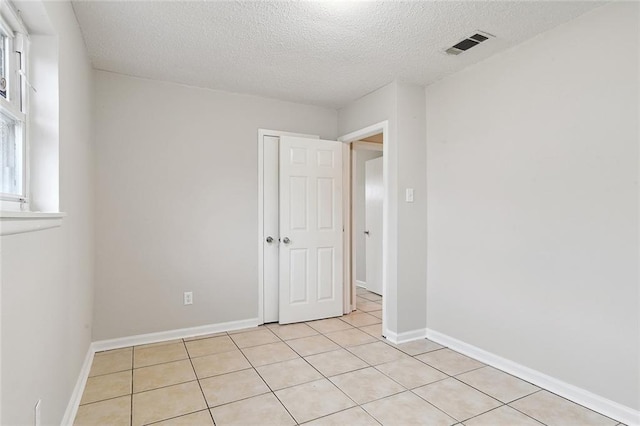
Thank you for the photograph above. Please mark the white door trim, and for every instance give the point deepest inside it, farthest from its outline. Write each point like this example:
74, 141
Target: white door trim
261, 134
367, 146
388, 232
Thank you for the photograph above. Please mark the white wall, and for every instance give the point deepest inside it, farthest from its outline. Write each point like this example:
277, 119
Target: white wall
44, 136
533, 215
177, 190
402, 105
412, 228
47, 275
359, 211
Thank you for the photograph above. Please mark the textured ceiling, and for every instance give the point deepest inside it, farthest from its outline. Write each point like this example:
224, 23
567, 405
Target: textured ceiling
324, 53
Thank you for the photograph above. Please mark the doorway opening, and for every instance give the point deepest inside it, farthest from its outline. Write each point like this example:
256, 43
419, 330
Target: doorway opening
378, 135
367, 195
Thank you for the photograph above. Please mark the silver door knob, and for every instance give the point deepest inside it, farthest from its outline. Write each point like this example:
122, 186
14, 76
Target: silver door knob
269, 240
286, 240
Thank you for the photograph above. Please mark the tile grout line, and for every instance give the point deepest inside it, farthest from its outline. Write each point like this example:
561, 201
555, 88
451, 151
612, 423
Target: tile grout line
188, 358
328, 378
450, 415
395, 381
511, 375
539, 389
173, 384
206, 402
561, 397
176, 417
112, 372
502, 404
405, 388
341, 347
341, 411
321, 374
155, 388
508, 406
106, 399
169, 362
481, 391
264, 381
444, 372
522, 412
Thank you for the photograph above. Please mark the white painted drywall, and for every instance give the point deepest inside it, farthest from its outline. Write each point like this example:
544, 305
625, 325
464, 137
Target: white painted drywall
412, 228
177, 188
47, 276
403, 106
359, 210
533, 204
44, 136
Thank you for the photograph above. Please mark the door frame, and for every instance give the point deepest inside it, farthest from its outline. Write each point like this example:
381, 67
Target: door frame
261, 134
387, 251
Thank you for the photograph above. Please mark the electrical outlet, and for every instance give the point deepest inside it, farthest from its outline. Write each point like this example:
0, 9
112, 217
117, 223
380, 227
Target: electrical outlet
36, 417
188, 298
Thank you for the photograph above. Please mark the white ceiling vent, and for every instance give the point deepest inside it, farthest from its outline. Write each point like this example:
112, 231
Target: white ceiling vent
469, 42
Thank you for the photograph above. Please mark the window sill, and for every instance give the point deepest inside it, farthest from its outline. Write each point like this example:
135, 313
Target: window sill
20, 222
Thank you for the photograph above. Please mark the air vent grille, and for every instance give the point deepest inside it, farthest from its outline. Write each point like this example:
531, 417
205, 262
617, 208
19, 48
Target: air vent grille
468, 43
465, 44
479, 38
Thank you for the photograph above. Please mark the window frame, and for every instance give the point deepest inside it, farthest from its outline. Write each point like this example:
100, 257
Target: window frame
16, 103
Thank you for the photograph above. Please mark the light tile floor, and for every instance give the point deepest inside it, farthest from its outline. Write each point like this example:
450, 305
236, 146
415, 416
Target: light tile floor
338, 371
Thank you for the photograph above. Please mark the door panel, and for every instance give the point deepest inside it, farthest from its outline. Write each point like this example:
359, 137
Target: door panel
298, 274
310, 229
298, 187
325, 203
374, 195
326, 260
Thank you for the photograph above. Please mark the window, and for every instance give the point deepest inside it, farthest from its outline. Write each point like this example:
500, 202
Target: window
12, 163
13, 112
3, 80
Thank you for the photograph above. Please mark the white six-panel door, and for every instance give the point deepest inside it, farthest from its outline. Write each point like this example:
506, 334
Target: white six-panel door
311, 229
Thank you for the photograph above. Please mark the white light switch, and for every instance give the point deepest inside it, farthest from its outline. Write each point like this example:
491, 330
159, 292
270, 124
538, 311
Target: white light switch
409, 195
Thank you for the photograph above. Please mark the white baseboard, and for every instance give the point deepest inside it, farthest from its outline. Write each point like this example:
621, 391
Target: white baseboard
143, 339
362, 284
619, 412
407, 336
76, 395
